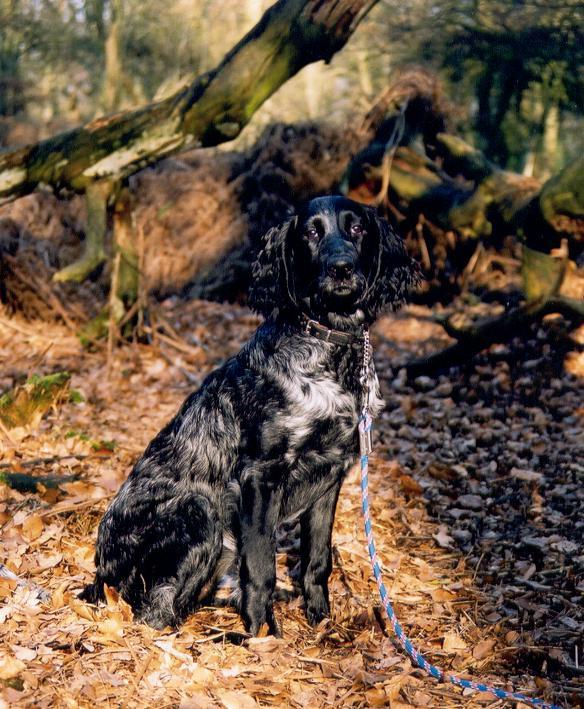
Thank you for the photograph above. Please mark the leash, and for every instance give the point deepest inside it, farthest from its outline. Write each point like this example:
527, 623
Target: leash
365, 448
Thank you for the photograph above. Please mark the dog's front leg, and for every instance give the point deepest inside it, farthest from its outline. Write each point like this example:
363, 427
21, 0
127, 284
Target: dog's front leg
260, 507
316, 526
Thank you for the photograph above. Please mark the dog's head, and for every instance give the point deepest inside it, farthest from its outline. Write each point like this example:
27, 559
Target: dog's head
336, 261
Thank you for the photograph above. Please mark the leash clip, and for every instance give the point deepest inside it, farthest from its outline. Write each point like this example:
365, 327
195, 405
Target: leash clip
365, 442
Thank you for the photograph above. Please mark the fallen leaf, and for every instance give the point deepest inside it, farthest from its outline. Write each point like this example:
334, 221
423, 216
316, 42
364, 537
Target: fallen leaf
111, 628
408, 484
25, 654
202, 675
452, 641
82, 609
441, 595
32, 527
483, 649
263, 645
442, 538
236, 700
10, 666
527, 475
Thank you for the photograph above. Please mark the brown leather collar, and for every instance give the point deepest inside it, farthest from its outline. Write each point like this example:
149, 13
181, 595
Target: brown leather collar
337, 337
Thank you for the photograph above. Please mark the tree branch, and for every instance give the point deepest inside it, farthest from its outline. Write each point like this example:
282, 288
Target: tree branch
213, 109
498, 329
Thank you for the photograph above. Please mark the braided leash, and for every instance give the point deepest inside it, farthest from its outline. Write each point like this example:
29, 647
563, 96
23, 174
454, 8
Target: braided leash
365, 424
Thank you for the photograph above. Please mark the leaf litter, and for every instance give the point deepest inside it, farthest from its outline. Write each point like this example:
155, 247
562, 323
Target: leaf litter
477, 499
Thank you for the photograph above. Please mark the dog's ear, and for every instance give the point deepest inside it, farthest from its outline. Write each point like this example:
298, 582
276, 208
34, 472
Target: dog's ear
392, 272
272, 286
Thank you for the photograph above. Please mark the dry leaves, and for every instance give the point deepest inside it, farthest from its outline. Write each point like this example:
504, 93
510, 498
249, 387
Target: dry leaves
480, 548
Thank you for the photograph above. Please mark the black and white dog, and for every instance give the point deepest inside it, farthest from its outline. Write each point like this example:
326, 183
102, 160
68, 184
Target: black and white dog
269, 435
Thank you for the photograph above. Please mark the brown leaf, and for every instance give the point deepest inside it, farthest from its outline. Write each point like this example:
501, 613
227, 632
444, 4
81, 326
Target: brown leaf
408, 484
422, 699
111, 595
32, 527
441, 595
203, 676
10, 666
25, 654
82, 609
261, 645
236, 700
197, 700
112, 628
452, 642
483, 649
376, 697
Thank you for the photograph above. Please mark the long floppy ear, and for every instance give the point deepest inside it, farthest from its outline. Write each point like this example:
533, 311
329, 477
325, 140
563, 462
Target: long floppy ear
272, 286
392, 271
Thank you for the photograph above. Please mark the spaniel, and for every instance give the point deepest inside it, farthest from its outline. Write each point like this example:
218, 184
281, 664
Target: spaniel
270, 434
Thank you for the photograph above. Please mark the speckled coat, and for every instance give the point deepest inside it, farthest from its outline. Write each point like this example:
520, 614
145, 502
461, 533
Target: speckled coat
269, 436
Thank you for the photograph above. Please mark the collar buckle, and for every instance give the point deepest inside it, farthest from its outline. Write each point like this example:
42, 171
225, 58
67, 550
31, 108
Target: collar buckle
327, 334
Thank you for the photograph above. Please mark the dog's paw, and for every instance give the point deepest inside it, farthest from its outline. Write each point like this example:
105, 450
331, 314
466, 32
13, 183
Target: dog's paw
263, 623
316, 606
91, 594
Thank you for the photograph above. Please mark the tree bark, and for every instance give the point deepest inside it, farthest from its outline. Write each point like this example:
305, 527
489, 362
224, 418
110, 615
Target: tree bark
213, 109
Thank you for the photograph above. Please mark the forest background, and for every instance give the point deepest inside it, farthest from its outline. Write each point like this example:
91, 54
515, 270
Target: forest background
463, 123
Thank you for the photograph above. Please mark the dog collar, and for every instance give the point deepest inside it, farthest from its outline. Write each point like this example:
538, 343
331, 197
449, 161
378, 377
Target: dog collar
321, 332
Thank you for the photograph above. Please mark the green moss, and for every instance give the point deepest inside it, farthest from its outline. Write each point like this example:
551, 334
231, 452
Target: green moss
104, 445
27, 403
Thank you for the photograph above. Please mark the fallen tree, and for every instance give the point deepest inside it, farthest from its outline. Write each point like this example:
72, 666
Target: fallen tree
98, 157
449, 198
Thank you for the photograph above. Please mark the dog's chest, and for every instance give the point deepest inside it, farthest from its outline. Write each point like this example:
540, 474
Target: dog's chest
318, 412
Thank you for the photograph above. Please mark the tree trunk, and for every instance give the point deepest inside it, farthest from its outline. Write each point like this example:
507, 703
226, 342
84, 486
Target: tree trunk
212, 110
113, 71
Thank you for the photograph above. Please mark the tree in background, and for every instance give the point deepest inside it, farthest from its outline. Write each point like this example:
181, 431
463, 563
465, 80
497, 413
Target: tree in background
517, 64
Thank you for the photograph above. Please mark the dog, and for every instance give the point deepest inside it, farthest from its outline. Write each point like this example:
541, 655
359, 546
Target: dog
268, 437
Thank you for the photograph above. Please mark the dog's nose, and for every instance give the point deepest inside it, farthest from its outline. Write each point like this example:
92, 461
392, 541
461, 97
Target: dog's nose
340, 268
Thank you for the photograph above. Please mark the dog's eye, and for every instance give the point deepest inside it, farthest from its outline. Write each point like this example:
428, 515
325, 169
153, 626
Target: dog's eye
356, 229
312, 233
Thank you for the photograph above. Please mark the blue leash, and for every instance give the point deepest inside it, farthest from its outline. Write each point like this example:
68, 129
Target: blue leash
365, 425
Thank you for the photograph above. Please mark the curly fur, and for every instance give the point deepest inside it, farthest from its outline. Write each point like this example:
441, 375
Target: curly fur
269, 436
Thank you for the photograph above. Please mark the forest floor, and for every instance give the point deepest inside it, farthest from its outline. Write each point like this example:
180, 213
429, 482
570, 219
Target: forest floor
477, 498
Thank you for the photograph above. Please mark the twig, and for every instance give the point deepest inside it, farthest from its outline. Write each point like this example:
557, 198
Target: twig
71, 506
178, 344
112, 326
